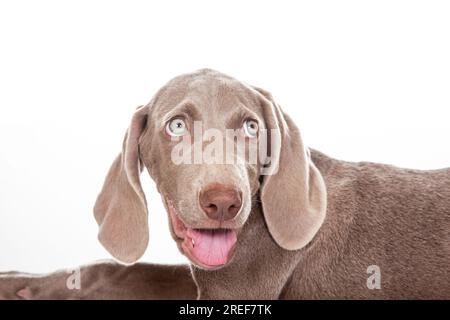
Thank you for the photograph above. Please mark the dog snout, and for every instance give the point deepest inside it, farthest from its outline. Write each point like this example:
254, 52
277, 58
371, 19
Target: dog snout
220, 202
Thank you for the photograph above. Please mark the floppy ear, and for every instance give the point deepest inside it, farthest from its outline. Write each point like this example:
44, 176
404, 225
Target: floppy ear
121, 209
293, 195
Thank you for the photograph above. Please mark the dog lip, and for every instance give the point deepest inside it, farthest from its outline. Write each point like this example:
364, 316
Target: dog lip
181, 231
178, 226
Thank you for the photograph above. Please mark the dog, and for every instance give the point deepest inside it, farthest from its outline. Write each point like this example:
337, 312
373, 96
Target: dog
295, 224
309, 230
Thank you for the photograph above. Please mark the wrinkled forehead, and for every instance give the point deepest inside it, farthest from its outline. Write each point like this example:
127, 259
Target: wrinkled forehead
210, 97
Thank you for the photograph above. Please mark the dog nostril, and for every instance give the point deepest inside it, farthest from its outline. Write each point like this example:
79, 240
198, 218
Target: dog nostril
220, 202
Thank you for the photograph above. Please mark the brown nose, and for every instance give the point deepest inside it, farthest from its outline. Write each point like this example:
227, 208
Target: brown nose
220, 202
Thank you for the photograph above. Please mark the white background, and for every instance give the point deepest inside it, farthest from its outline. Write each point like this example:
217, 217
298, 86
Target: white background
364, 80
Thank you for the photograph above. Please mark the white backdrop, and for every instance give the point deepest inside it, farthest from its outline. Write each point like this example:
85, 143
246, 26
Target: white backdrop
364, 80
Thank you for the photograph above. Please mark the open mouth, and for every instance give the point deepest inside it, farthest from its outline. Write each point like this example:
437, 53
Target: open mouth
207, 248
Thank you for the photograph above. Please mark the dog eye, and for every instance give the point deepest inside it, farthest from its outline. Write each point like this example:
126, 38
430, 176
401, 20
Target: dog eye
251, 128
176, 127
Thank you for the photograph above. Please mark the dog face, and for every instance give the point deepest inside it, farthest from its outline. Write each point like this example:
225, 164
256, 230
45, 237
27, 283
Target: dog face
208, 200
210, 143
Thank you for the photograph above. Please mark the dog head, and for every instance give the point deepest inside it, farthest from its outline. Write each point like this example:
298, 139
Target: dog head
213, 146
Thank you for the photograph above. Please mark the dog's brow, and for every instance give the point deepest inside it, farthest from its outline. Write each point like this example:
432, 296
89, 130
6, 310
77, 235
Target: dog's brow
184, 108
242, 114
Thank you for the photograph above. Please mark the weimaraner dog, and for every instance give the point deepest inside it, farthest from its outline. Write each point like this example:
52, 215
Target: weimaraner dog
294, 225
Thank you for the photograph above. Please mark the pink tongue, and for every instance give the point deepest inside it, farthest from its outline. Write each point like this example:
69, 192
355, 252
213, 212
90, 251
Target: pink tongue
212, 247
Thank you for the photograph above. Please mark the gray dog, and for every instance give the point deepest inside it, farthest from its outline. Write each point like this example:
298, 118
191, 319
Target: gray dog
313, 228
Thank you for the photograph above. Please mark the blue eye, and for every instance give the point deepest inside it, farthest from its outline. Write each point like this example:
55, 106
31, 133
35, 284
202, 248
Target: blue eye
251, 128
176, 127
